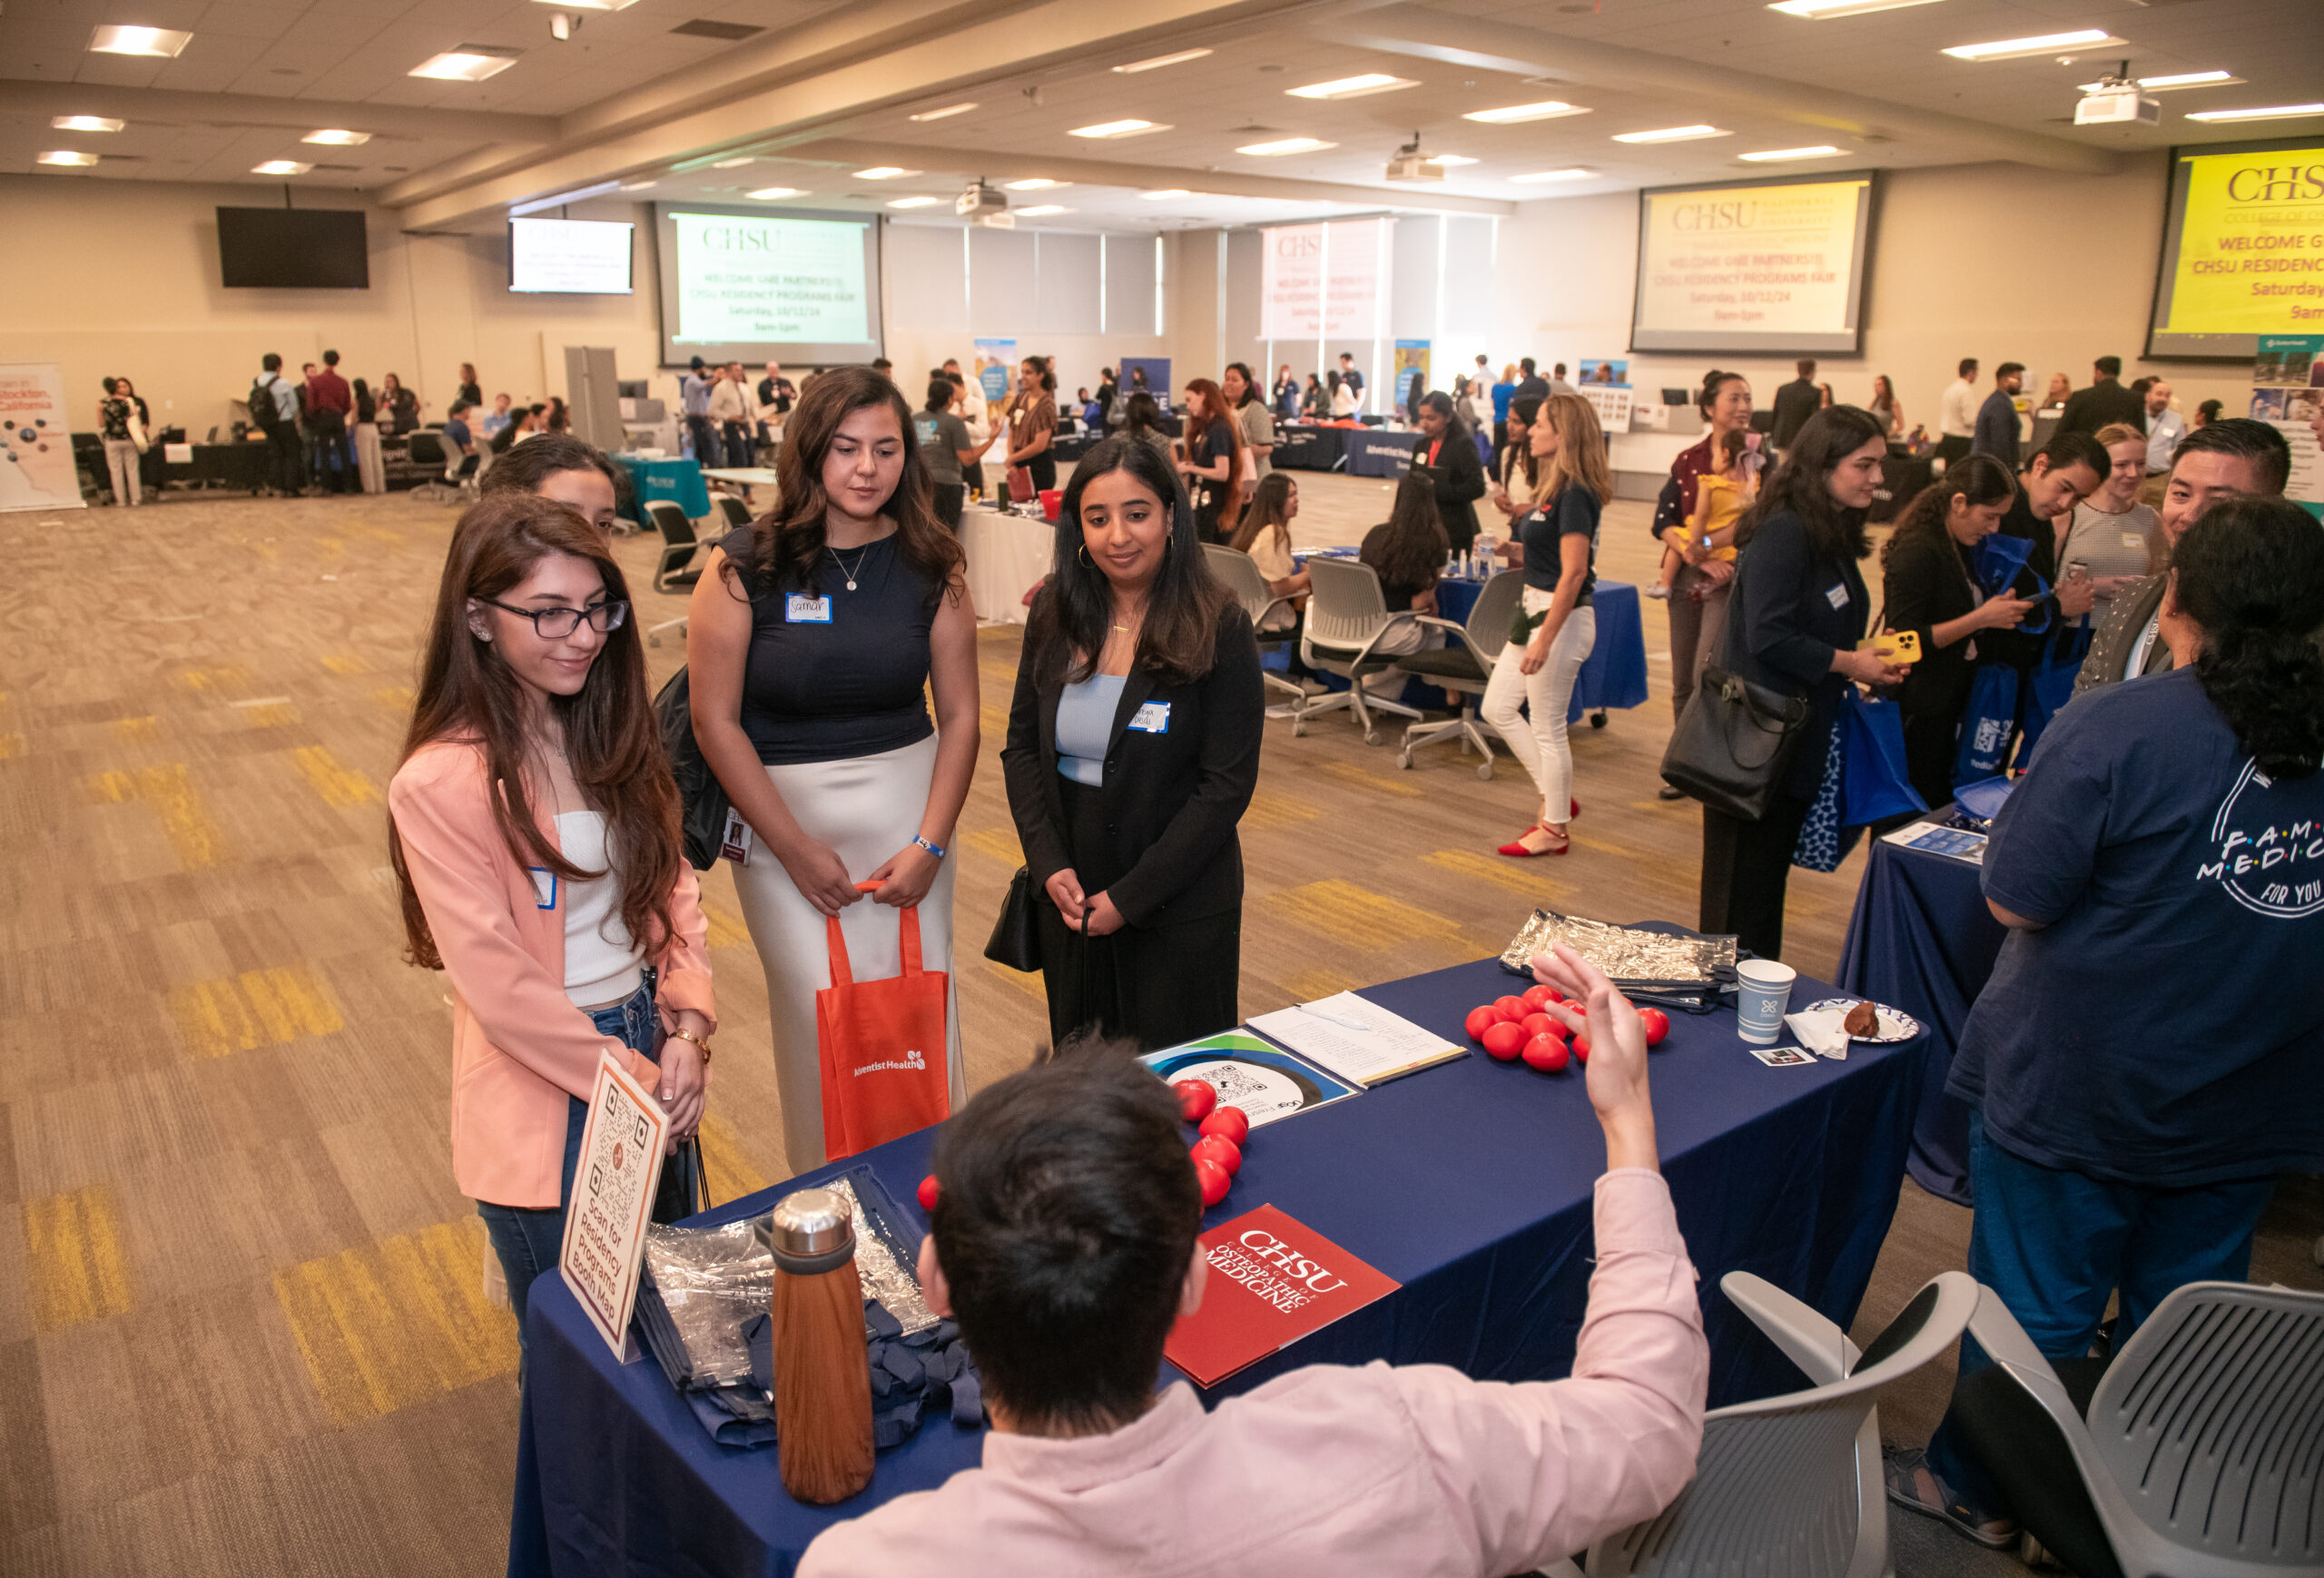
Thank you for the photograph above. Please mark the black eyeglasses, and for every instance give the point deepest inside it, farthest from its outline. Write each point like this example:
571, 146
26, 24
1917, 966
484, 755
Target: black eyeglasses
556, 623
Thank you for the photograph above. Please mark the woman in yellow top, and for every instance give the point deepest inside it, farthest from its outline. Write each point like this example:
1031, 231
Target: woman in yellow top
1721, 496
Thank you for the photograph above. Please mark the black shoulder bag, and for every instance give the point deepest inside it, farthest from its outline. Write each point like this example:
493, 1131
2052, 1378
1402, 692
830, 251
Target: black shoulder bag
1736, 739
702, 806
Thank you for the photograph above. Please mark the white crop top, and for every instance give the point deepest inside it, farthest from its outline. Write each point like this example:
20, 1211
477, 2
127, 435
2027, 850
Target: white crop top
601, 965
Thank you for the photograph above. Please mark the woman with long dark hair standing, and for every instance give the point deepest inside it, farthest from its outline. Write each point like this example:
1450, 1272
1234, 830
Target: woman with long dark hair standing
2153, 839
371, 464
1142, 420
1535, 674
1518, 480
1455, 474
1930, 588
1214, 459
810, 638
1031, 416
1885, 407
1133, 749
1799, 608
533, 828
1699, 592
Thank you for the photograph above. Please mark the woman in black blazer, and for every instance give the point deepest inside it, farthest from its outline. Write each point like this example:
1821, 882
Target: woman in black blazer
1133, 748
1928, 589
1449, 449
1798, 610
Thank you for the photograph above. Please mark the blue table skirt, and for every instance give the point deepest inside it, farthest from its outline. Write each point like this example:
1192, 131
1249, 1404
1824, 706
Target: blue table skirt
1303, 446
1922, 939
677, 480
1470, 1184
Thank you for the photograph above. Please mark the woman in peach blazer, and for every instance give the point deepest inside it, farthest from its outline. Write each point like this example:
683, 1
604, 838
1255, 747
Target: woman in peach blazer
559, 906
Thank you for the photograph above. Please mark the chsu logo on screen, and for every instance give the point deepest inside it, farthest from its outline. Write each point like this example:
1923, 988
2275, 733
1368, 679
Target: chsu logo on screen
1736, 213
2276, 184
1297, 245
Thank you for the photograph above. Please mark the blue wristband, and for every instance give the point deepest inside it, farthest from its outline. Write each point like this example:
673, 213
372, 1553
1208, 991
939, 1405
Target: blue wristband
936, 850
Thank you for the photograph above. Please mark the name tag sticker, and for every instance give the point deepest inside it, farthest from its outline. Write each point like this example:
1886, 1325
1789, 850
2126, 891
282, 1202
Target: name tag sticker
544, 887
801, 609
2136, 539
1152, 718
1837, 596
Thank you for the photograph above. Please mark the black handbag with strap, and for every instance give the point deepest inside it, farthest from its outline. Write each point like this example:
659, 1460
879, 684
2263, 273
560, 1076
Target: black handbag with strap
1734, 744
702, 804
1014, 941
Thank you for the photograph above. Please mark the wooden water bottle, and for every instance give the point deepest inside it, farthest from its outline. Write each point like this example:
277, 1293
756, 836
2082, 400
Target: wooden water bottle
822, 1378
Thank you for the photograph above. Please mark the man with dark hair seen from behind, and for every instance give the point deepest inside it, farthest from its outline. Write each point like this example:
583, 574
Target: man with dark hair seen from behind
2103, 403
274, 411
1794, 403
330, 402
2235, 458
1064, 1246
1558, 384
1996, 430
1530, 385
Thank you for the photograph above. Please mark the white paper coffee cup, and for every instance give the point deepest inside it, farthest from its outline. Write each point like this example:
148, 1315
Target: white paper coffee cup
1762, 992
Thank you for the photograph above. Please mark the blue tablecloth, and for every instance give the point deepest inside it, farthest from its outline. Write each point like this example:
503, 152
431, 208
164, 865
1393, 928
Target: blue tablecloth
1381, 454
1306, 447
677, 480
1922, 939
1470, 1184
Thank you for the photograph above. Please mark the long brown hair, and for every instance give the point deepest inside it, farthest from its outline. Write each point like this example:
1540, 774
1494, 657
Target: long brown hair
787, 546
1413, 549
468, 696
1179, 640
1270, 511
1974, 480
1580, 458
1216, 407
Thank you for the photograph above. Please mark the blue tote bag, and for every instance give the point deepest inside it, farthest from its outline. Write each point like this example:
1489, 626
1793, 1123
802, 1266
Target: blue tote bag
2052, 686
1874, 784
1988, 722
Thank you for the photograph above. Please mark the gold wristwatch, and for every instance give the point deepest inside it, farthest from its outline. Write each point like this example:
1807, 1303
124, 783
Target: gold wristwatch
679, 1033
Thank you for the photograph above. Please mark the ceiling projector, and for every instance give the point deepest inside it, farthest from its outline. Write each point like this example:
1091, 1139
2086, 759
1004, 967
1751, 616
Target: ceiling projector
1413, 162
986, 205
2116, 101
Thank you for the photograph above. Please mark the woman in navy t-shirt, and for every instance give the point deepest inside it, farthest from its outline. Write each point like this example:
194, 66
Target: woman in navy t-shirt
2150, 1050
809, 640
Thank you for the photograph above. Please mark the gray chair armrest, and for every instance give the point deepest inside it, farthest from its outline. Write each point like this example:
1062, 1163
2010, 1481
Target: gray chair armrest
1820, 1350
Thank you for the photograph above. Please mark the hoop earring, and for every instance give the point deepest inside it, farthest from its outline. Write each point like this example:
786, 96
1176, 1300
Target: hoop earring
1082, 553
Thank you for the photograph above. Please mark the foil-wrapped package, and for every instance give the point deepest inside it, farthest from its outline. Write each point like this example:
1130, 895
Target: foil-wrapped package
1636, 960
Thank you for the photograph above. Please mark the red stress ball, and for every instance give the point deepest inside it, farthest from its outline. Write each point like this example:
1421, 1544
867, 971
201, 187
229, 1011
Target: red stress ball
1213, 1182
1538, 996
1232, 1122
1511, 1009
1504, 1041
1195, 1099
927, 1193
1481, 1020
1581, 1048
1542, 1024
1221, 1153
1656, 1024
1546, 1053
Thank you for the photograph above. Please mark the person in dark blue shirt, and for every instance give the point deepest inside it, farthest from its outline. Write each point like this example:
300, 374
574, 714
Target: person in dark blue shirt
1995, 432
2150, 1050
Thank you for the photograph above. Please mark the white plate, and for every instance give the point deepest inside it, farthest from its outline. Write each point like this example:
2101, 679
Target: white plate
1893, 1025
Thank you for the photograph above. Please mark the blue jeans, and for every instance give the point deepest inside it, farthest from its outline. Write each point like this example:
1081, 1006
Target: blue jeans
528, 1238
2054, 1243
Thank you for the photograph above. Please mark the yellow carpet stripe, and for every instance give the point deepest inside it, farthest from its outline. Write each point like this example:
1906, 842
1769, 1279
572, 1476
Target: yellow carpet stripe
346, 663
169, 791
338, 785
999, 843
726, 928
1517, 876
1374, 783
1311, 985
731, 1172
73, 1258
1269, 811
259, 1007
135, 728
1033, 985
1359, 918
11, 745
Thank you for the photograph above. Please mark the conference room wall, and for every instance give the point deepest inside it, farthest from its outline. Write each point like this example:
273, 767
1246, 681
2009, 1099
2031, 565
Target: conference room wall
1998, 261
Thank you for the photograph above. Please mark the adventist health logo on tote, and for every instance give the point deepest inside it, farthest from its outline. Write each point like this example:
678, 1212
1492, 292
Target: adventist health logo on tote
910, 1060
745, 280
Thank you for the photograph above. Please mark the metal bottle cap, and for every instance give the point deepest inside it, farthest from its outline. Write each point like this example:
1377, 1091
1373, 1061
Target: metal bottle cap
813, 1222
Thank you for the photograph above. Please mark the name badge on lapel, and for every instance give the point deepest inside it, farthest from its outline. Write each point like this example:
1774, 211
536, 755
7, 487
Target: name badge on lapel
802, 609
544, 887
1837, 596
1152, 718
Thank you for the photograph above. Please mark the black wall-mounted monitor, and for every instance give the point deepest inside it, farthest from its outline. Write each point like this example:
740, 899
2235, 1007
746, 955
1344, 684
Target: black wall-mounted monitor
297, 249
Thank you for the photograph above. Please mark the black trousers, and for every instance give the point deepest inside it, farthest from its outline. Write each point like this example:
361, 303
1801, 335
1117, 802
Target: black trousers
1043, 467
949, 498
1950, 447
289, 458
1932, 744
1745, 867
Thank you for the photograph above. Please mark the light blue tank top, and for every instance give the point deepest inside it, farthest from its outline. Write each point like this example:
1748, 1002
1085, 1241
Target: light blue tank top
1084, 725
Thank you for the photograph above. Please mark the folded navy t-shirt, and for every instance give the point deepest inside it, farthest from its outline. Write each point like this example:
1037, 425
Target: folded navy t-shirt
2163, 1025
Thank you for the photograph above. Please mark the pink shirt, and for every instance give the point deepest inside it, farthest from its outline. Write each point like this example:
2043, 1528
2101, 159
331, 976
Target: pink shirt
1412, 1470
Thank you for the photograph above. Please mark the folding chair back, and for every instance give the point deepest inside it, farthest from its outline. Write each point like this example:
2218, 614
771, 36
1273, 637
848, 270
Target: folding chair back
736, 513
1241, 574
670, 571
1345, 608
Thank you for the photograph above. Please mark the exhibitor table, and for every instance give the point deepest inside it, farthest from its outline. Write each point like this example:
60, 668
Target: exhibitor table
1008, 555
1470, 1184
1922, 939
1384, 453
677, 480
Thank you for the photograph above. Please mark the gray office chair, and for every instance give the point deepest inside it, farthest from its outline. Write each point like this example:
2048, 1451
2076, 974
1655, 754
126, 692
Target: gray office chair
1242, 579
731, 510
1463, 665
1347, 616
673, 571
1790, 1486
2201, 1452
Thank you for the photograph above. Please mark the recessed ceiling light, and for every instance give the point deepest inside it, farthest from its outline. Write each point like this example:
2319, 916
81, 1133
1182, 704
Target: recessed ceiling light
1671, 134
1157, 62
2042, 43
2185, 79
1166, 191
338, 139
155, 41
769, 193
1282, 145
281, 167
1350, 87
1510, 114
85, 123
1117, 129
1824, 10
1452, 161
2272, 111
463, 65
1771, 155
883, 173
947, 110
1042, 208
735, 164
67, 157
1576, 173
912, 202
1034, 183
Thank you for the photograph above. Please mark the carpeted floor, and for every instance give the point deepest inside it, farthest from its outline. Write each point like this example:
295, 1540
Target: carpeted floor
241, 1328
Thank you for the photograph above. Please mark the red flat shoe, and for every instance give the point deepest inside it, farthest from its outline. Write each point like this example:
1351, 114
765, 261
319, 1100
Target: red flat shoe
1521, 851
1572, 809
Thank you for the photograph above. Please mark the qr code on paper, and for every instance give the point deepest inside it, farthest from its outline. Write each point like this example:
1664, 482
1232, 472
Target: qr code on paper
1231, 1081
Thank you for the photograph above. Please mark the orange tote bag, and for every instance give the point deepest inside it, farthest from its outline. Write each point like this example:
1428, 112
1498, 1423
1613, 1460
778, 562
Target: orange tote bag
882, 1047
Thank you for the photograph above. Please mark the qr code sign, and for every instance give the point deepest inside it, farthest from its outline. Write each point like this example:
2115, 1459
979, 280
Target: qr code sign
1232, 1081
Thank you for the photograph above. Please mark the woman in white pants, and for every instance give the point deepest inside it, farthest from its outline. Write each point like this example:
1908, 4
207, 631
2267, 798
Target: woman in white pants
809, 641
370, 466
1556, 625
117, 415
